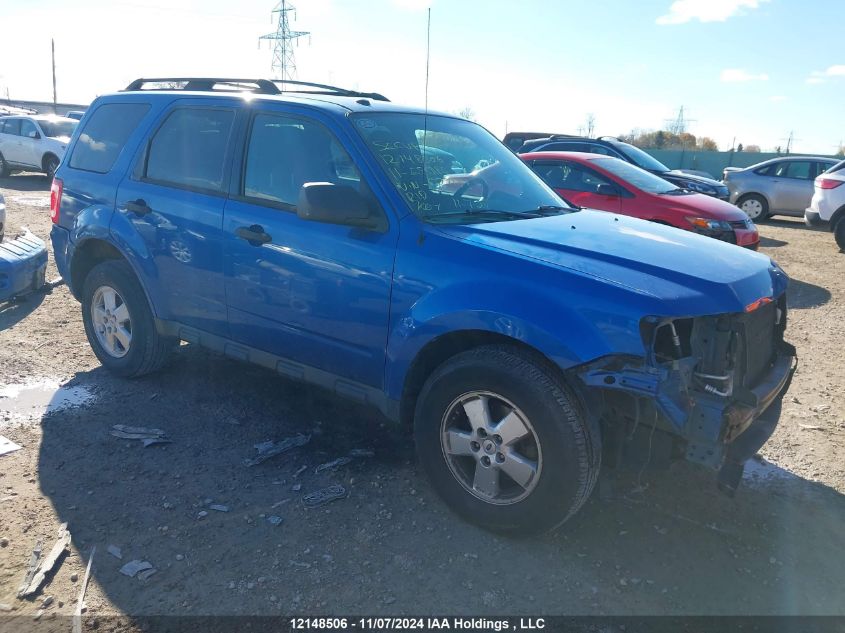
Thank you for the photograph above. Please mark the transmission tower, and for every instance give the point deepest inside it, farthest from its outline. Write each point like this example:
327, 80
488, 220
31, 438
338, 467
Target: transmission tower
284, 63
678, 125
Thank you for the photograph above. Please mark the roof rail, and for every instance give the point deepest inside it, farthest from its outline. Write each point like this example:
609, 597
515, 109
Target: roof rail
612, 138
205, 84
329, 90
259, 86
556, 136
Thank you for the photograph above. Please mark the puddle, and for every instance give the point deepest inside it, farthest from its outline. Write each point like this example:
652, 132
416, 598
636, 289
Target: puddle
31, 401
761, 474
32, 201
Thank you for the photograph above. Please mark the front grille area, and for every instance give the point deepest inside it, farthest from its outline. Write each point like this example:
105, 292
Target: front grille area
760, 338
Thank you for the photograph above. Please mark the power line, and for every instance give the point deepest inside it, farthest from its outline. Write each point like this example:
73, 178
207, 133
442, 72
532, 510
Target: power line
284, 62
678, 125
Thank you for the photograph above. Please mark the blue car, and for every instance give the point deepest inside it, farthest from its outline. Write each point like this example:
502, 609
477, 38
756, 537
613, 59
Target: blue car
520, 340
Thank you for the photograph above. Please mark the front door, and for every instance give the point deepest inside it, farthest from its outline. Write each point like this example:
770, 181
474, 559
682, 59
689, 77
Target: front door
579, 184
793, 186
315, 293
30, 144
174, 199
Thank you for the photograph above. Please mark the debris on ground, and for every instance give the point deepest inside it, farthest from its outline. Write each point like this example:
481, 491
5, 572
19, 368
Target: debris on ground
332, 465
133, 567
32, 568
218, 507
362, 452
80, 603
7, 446
300, 470
275, 520
147, 436
325, 495
269, 449
145, 574
46, 566
114, 550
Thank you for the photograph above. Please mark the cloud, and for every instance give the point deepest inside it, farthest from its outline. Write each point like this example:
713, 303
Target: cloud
682, 11
777, 98
735, 75
413, 5
820, 76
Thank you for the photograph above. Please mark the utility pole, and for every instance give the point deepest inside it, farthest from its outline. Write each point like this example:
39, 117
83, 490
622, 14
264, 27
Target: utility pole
678, 125
53, 49
790, 140
284, 63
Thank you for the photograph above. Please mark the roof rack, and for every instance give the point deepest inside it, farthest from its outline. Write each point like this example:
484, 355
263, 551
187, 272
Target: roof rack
229, 84
612, 138
556, 136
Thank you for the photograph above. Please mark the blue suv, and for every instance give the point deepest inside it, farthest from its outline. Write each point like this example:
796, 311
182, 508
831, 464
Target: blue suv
314, 231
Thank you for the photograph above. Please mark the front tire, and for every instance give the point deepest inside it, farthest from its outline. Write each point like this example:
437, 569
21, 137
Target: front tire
51, 164
504, 442
119, 323
755, 206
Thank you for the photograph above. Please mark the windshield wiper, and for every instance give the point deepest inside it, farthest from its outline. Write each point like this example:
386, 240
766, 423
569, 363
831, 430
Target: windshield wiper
552, 209
480, 213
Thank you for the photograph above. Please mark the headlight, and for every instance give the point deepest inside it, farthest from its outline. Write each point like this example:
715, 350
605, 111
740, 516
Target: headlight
706, 224
699, 187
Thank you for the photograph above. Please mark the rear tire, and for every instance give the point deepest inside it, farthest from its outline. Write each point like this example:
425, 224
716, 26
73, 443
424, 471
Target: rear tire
4, 167
754, 206
504, 442
839, 234
119, 323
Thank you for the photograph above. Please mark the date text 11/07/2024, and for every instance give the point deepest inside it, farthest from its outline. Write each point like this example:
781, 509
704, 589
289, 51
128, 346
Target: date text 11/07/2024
416, 624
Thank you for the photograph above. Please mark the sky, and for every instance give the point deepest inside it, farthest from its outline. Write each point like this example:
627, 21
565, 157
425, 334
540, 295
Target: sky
745, 71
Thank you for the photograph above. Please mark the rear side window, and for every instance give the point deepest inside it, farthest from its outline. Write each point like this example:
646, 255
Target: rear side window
189, 149
11, 126
105, 134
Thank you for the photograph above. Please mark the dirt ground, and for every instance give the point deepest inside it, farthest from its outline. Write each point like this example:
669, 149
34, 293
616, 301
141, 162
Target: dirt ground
668, 544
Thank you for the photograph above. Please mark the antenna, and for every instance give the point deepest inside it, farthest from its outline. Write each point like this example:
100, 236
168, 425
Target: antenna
427, 61
284, 63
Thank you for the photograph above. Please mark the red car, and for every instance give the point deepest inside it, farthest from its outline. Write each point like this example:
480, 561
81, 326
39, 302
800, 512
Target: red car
609, 184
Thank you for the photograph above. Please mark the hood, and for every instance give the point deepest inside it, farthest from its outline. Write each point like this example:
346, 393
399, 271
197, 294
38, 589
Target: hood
677, 173
704, 206
687, 274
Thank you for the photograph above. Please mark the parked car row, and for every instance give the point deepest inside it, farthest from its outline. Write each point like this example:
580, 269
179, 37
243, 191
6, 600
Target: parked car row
34, 142
327, 236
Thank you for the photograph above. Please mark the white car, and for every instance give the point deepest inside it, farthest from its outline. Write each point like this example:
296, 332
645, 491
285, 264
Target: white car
34, 142
828, 203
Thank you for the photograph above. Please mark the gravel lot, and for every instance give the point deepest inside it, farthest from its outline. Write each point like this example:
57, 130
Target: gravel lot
667, 543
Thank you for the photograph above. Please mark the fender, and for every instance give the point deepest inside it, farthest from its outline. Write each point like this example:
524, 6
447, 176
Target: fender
563, 335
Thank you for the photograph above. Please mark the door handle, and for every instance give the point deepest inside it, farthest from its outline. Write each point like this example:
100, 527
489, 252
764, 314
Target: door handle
138, 207
254, 234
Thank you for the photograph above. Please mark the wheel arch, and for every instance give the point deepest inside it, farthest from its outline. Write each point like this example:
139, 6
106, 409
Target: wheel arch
47, 155
746, 194
441, 348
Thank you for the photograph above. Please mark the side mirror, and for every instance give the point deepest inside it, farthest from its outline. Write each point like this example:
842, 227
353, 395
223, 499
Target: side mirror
335, 204
605, 189
34, 134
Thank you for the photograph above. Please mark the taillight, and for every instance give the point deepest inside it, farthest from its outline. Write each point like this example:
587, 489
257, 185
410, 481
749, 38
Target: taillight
829, 183
55, 199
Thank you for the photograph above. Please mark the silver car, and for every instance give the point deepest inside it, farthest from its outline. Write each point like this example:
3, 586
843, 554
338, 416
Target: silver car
780, 186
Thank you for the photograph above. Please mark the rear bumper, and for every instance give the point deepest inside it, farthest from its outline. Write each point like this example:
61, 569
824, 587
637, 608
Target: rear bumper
812, 218
23, 266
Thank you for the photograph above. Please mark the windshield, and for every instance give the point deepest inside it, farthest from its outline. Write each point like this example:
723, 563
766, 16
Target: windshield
640, 178
57, 128
641, 158
451, 170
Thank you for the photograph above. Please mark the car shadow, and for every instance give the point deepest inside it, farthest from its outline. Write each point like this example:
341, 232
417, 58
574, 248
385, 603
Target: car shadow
25, 182
792, 223
661, 543
770, 242
16, 310
802, 295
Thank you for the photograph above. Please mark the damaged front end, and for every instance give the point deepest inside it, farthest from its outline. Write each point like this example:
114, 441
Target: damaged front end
711, 386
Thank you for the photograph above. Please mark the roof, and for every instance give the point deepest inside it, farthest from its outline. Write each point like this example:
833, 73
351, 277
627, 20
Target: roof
561, 154
339, 103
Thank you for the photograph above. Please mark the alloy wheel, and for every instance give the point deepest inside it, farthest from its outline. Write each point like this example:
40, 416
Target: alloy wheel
111, 320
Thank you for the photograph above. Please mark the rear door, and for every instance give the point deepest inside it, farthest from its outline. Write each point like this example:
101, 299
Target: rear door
578, 184
314, 293
174, 198
10, 140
